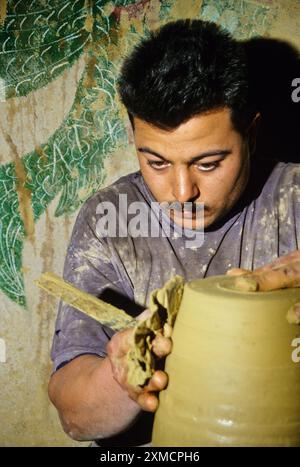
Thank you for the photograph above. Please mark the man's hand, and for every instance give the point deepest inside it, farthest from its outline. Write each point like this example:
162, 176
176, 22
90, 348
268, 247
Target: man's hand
117, 350
282, 273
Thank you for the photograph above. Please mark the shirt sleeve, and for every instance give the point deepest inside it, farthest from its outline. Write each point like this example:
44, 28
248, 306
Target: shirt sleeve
89, 265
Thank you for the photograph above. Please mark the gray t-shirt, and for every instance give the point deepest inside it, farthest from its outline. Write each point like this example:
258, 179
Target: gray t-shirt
264, 225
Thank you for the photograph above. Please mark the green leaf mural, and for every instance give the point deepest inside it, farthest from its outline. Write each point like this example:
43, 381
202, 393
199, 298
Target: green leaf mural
40, 38
243, 18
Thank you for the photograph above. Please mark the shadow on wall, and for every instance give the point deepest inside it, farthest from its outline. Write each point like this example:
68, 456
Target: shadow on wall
273, 65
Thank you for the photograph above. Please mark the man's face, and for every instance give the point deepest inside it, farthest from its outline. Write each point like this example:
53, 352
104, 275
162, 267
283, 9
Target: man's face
204, 160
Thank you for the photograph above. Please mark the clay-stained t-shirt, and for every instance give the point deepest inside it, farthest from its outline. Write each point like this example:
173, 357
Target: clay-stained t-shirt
264, 225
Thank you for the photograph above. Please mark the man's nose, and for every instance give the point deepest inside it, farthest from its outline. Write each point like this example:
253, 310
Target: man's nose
184, 187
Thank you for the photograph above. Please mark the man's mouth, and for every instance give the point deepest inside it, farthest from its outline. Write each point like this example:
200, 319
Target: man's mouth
191, 218
192, 212
185, 214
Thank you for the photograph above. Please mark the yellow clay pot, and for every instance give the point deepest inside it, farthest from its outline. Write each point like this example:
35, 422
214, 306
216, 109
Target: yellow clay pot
232, 378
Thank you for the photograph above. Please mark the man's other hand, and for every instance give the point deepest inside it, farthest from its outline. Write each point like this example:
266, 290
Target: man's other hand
282, 273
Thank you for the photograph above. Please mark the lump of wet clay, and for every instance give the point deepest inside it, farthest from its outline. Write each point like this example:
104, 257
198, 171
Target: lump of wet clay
163, 305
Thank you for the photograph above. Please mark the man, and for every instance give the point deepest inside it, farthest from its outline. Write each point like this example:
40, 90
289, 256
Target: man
186, 92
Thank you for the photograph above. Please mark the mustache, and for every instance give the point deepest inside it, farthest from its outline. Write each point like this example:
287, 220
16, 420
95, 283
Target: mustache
176, 206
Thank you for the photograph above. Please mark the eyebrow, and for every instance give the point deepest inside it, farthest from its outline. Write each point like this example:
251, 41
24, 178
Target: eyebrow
213, 152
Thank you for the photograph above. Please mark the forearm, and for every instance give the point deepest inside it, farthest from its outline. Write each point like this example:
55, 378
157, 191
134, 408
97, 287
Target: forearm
91, 404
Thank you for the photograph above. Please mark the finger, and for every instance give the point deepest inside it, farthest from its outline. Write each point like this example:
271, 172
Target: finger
134, 392
282, 261
158, 382
148, 401
287, 276
237, 272
161, 346
293, 315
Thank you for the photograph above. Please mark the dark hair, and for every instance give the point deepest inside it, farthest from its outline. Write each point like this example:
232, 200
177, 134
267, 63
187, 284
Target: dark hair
185, 68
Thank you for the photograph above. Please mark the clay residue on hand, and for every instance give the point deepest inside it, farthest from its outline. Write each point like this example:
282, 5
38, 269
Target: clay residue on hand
164, 305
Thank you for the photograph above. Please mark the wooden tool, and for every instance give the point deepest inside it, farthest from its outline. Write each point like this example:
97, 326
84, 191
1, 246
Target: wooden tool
106, 314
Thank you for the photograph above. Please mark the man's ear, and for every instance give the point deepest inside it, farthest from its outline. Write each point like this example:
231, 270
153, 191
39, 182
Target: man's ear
252, 132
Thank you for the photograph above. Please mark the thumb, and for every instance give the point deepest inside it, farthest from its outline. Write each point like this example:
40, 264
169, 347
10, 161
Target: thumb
237, 272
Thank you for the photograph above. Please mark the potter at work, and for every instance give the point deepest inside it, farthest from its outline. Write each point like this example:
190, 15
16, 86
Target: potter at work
246, 352
194, 126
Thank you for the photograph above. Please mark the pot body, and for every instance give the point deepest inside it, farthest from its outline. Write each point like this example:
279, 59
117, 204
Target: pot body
234, 375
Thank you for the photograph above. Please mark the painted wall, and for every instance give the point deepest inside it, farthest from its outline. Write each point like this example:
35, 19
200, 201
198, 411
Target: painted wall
63, 135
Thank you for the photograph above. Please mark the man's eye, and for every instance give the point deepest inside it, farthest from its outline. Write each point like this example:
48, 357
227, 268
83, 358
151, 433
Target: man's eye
158, 164
208, 166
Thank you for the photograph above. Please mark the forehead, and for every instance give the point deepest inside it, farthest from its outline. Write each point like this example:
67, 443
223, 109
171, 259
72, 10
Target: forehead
212, 126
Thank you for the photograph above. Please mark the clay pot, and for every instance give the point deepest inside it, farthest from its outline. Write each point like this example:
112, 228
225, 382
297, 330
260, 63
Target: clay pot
232, 378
